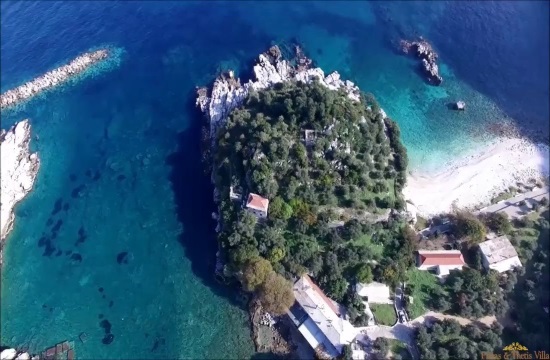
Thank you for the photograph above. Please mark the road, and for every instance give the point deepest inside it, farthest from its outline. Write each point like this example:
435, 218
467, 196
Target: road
511, 206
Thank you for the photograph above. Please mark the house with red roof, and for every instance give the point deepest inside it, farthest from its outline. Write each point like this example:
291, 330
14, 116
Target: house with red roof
440, 262
257, 205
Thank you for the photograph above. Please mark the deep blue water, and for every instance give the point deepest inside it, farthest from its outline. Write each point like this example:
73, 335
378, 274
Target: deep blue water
136, 128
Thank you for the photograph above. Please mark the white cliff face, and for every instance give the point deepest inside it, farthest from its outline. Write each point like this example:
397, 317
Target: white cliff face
227, 93
18, 171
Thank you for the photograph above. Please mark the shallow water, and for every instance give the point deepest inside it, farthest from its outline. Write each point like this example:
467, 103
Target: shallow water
120, 150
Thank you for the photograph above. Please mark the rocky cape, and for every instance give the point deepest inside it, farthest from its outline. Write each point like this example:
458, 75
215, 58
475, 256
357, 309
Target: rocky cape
52, 78
428, 58
228, 93
18, 172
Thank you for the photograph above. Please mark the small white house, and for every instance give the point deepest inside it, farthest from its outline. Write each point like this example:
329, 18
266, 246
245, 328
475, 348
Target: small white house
441, 262
257, 205
499, 254
375, 292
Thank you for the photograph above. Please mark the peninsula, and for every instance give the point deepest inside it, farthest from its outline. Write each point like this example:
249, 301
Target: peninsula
19, 170
303, 164
52, 78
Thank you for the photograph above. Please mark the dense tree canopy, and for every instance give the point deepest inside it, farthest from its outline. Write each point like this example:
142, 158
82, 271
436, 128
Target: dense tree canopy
322, 160
448, 340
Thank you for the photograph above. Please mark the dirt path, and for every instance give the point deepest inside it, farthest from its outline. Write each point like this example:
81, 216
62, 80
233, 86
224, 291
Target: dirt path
487, 320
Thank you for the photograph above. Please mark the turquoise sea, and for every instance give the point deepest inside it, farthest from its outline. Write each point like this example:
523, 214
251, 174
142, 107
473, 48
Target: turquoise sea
117, 236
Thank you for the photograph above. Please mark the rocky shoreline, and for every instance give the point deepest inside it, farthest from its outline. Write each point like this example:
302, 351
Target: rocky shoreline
13, 354
52, 78
427, 55
19, 170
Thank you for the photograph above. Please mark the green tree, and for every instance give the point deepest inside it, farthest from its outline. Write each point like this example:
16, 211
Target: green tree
467, 225
498, 222
363, 273
279, 209
255, 273
275, 294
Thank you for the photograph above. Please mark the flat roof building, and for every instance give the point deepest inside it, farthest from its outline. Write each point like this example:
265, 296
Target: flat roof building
499, 254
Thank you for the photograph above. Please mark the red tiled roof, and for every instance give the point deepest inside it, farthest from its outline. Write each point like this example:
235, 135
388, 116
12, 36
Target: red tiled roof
257, 202
322, 294
441, 258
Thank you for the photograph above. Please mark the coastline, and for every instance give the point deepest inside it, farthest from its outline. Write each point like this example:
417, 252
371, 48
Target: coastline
19, 171
474, 180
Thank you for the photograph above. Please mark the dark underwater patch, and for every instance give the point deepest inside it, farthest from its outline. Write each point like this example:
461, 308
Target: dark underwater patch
122, 258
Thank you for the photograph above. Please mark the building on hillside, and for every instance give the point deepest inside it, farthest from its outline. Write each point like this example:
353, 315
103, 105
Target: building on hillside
234, 194
440, 261
319, 319
257, 205
374, 292
499, 254
309, 137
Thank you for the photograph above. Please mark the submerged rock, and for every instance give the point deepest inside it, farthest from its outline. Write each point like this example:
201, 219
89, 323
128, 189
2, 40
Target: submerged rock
18, 171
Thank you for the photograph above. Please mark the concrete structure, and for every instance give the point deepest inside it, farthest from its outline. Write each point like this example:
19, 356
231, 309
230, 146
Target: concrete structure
257, 205
375, 292
319, 319
499, 254
234, 195
440, 261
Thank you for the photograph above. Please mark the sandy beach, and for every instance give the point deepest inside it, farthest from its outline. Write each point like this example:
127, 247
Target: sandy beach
476, 179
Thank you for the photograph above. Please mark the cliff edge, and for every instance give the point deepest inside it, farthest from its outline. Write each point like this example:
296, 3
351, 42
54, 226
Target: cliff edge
18, 171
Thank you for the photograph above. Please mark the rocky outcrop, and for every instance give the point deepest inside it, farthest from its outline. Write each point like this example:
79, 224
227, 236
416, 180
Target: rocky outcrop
52, 78
228, 93
428, 58
18, 170
13, 354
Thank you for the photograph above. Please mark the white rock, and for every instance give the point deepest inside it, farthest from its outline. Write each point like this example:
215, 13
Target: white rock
226, 96
8, 354
18, 171
23, 356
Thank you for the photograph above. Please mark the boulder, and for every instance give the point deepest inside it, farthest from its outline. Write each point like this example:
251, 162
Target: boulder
8, 354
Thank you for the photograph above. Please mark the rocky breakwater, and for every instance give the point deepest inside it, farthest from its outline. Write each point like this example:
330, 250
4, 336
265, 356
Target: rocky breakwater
52, 78
18, 172
428, 57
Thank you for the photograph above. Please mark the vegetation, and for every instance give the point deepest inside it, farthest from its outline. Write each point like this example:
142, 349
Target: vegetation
381, 346
469, 226
448, 340
497, 222
425, 289
350, 165
275, 294
531, 295
384, 314
473, 294
399, 350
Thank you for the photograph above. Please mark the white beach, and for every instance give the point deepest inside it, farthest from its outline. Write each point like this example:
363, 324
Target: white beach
475, 180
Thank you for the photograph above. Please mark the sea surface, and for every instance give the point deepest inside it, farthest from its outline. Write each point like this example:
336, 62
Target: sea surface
117, 236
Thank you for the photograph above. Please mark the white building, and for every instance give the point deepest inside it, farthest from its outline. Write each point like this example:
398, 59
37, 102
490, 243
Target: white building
257, 205
440, 261
319, 319
375, 292
499, 254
